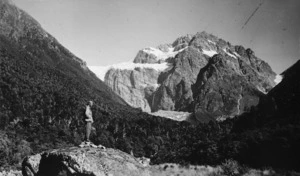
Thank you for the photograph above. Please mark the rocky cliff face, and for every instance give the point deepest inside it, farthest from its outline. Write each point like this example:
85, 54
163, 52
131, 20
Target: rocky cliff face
220, 91
135, 86
175, 91
230, 84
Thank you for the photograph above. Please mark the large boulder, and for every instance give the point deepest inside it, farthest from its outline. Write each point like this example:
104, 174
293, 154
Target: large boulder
84, 161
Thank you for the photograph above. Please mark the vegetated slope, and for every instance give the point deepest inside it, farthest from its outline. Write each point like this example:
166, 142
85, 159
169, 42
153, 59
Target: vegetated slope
184, 85
25, 35
270, 133
44, 87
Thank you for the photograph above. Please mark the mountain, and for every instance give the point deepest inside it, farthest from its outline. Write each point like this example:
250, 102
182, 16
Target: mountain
199, 73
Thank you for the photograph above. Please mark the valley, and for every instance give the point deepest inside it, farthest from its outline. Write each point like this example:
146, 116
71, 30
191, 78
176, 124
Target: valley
199, 105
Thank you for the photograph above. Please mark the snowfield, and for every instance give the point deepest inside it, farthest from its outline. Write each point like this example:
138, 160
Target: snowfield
100, 71
229, 54
209, 53
160, 55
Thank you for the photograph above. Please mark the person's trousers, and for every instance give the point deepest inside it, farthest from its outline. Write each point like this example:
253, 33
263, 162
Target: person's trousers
88, 130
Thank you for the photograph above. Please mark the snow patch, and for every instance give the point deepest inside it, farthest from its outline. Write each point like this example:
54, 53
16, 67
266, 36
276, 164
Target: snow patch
132, 66
209, 53
100, 71
211, 42
156, 86
174, 115
236, 54
229, 54
160, 55
278, 79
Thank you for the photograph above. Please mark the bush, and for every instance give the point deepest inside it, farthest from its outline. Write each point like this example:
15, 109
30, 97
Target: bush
232, 168
5, 146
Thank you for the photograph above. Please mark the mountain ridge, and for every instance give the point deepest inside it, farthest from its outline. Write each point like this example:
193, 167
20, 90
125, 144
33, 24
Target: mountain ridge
27, 33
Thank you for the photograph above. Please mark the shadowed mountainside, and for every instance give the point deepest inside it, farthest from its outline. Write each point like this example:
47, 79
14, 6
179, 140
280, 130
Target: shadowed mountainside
271, 131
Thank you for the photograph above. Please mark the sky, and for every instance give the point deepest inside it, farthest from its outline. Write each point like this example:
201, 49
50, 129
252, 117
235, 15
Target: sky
105, 32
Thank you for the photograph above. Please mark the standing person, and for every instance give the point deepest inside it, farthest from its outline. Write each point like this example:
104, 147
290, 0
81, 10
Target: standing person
89, 120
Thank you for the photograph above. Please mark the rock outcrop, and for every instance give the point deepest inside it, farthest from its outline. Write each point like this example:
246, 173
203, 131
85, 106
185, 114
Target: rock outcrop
181, 87
97, 162
84, 161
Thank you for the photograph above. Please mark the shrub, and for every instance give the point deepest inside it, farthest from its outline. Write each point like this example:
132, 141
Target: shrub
232, 168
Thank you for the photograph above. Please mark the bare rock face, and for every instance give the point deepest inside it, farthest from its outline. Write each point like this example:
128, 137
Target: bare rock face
144, 57
175, 92
182, 42
83, 161
220, 91
134, 86
256, 70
